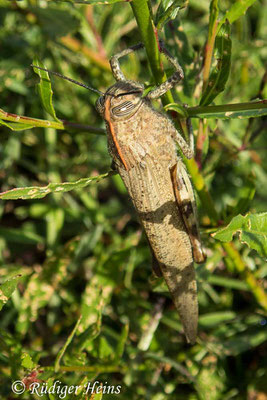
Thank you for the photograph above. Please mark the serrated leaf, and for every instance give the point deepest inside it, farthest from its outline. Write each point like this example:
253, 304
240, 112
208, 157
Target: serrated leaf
7, 288
45, 89
35, 192
168, 9
252, 229
238, 9
16, 126
220, 73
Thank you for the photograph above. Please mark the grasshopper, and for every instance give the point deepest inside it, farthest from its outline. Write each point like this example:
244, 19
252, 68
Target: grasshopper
142, 143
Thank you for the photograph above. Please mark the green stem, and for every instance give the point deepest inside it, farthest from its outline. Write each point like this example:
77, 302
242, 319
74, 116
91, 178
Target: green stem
42, 123
226, 109
143, 15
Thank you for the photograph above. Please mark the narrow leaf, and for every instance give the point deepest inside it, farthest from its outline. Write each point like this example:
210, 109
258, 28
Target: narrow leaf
213, 319
242, 342
92, 1
238, 9
121, 344
7, 288
16, 235
168, 9
220, 72
16, 126
226, 111
45, 89
35, 192
66, 344
252, 229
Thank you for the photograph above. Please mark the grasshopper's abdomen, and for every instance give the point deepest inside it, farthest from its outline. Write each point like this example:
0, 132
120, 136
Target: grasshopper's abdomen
144, 152
150, 188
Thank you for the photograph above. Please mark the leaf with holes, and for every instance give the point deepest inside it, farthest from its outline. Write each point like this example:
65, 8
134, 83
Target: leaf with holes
252, 229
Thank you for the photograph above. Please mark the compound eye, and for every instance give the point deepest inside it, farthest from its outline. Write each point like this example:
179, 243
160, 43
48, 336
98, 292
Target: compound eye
123, 109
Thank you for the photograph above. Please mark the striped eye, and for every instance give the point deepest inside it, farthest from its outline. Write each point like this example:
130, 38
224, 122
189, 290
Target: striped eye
123, 109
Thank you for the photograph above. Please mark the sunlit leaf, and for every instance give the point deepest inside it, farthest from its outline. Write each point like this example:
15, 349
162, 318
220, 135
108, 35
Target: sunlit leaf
7, 288
26, 361
236, 10
226, 111
16, 126
252, 230
35, 192
168, 9
45, 89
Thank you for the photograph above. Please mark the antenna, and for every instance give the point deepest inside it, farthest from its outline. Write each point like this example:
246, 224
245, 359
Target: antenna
69, 79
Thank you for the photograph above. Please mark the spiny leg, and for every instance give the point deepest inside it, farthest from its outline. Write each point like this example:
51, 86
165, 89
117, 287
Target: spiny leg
114, 61
170, 82
187, 205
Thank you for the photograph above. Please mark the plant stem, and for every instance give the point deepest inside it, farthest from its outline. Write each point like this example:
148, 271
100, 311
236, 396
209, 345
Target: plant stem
42, 123
143, 15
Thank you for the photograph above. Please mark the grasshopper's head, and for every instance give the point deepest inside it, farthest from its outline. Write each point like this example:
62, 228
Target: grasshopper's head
123, 99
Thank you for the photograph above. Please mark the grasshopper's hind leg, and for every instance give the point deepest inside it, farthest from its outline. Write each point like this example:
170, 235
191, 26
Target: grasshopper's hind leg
187, 205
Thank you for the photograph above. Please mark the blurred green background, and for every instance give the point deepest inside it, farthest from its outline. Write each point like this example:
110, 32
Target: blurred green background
83, 252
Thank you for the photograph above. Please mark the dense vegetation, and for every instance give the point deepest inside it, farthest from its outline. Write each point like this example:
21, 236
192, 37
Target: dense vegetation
80, 301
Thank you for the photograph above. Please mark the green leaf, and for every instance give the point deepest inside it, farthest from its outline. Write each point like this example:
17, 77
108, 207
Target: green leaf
16, 126
213, 17
168, 9
121, 344
7, 288
36, 296
252, 229
15, 235
242, 342
238, 9
26, 361
219, 74
66, 344
93, 1
35, 192
252, 109
45, 89
213, 319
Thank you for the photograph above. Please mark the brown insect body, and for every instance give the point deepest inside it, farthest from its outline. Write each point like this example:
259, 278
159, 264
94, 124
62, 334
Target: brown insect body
142, 143
143, 148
